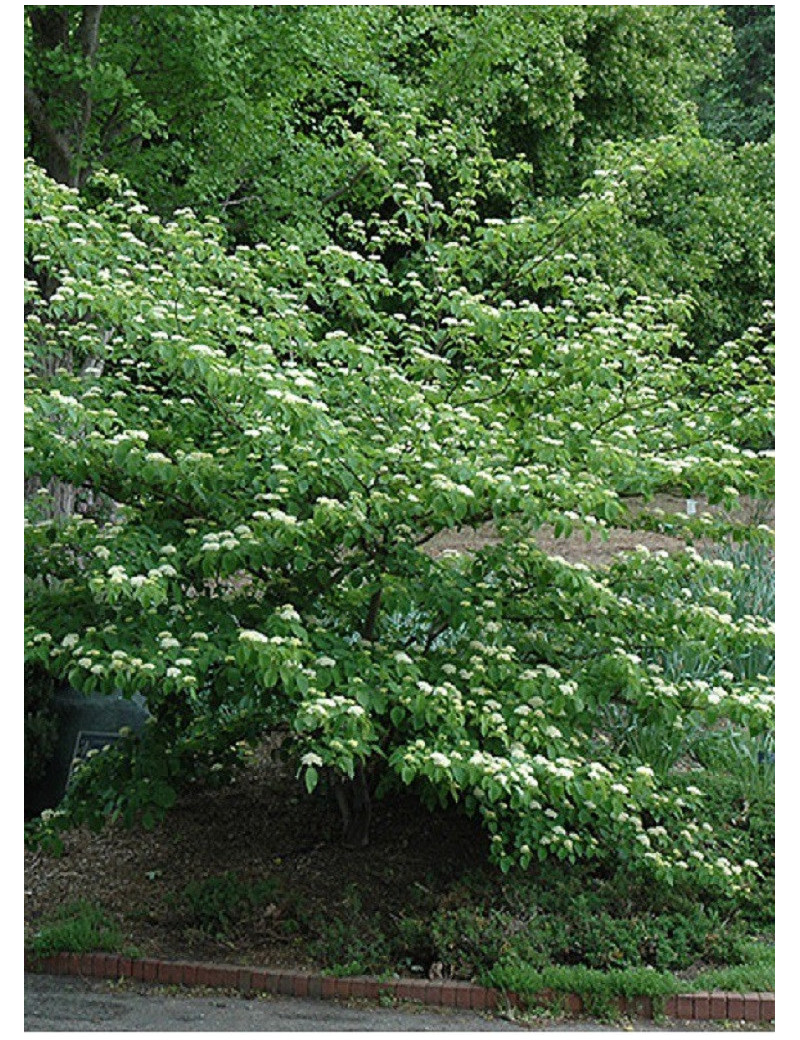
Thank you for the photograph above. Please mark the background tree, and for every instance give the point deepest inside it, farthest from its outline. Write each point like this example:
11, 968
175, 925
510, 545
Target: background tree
740, 105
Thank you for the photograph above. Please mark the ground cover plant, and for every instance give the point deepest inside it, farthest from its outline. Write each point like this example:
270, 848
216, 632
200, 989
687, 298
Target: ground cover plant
247, 445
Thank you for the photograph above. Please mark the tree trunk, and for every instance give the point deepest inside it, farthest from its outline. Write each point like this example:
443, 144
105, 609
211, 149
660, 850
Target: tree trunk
61, 151
352, 797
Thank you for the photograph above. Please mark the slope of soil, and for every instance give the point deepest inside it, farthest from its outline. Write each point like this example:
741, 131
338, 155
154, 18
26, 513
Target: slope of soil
262, 825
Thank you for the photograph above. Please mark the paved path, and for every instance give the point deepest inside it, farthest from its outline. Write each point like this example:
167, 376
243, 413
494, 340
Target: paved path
66, 1004
63, 1004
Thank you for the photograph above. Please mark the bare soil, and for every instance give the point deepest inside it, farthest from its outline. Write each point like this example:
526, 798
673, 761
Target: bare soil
599, 551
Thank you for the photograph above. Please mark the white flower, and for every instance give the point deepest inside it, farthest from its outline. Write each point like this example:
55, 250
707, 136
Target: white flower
311, 758
251, 636
439, 759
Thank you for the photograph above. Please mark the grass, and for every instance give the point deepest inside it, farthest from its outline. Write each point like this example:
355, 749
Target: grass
756, 975
79, 928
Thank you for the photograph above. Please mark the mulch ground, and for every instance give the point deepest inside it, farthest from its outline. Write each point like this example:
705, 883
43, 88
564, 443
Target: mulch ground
263, 824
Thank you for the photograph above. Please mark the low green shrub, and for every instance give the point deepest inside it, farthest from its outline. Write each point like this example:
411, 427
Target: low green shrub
349, 942
214, 904
473, 941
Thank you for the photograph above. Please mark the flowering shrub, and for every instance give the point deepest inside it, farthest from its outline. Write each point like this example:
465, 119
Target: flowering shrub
263, 443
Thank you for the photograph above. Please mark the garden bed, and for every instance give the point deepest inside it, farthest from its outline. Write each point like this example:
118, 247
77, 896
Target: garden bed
253, 872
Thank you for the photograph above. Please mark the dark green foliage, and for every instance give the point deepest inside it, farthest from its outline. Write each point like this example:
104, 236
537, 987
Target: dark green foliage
740, 106
40, 721
246, 110
214, 904
588, 932
580, 929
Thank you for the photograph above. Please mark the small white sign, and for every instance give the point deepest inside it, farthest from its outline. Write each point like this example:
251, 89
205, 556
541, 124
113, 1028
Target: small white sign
691, 506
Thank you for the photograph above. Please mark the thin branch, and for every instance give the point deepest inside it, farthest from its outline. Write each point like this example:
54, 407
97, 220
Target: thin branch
368, 632
343, 190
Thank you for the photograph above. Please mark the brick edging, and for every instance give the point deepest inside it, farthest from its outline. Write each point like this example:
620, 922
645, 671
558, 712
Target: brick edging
717, 1005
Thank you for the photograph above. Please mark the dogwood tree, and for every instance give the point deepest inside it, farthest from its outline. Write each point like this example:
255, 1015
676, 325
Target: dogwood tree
265, 440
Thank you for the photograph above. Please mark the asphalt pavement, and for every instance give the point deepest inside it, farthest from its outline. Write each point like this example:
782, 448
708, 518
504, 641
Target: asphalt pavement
71, 1004
66, 1004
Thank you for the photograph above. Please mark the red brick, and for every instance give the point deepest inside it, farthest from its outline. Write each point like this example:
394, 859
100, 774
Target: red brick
166, 973
463, 996
493, 999
86, 963
671, 1006
202, 975
315, 986
735, 1006
702, 1007
448, 993
262, 980
244, 980
105, 965
328, 987
112, 966
365, 988
409, 989
230, 973
478, 996
125, 967
573, 1003
767, 1006
685, 1007
343, 988
178, 974
752, 1007
149, 970
300, 988
62, 963
189, 972
212, 975
718, 1005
